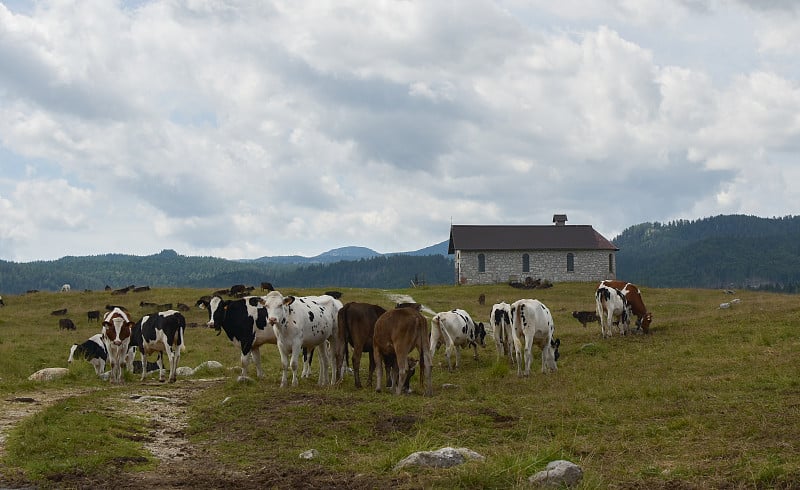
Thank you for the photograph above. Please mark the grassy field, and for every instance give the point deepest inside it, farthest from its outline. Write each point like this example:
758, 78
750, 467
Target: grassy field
710, 400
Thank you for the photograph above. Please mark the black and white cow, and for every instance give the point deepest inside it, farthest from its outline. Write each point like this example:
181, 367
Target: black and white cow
161, 333
93, 350
1, 301
456, 329
532, 323
244, 322
500, 319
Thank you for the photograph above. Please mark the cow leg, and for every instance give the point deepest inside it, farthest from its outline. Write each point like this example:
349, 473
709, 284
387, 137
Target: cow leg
173, 364
528, 354
357, 365
143, 357
256, 354
324, 364
160, 364
293, 362
378, 360
402, 370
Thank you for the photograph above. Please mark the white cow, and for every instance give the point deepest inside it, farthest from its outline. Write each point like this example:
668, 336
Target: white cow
532, 323
65, 288
116, 334
93, 350
456, 329
303, 321
612, 306
500, 319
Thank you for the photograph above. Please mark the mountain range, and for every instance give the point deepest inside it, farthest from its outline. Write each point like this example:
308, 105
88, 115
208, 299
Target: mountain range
348, 254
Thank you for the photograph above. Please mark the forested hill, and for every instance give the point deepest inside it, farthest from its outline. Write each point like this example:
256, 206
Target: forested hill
728, 252
168, 269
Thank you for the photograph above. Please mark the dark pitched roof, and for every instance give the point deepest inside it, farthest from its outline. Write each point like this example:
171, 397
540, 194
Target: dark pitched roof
526, 237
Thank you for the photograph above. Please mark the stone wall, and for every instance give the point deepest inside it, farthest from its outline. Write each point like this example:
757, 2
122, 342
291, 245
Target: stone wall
505, 266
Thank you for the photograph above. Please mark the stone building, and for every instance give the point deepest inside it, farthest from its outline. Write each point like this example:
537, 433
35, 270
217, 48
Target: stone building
489, 254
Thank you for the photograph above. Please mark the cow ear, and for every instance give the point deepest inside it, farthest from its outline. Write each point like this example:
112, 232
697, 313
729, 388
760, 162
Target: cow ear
288, 300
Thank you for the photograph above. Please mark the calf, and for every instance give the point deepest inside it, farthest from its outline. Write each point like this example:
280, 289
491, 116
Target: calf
93, 350
356, 325
398, 332
303, 322
532, 323
245, 323
500, 320
160, 333
585, 317
456, 329
65, 288
612, 307
116, 332
65, 324
62, 311
634, 298
93, 315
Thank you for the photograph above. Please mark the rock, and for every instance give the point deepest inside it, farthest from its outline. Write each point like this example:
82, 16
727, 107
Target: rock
211, 365
48, 374
310, 454
184, 371
558, 473
441, 458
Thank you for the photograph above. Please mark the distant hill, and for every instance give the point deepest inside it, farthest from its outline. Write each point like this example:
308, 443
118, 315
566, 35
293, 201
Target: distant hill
349, 253
733, 251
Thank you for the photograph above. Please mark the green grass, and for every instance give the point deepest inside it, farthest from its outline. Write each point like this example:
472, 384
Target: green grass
711, 399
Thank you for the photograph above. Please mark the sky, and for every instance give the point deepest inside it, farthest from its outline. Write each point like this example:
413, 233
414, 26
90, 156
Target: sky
251, 128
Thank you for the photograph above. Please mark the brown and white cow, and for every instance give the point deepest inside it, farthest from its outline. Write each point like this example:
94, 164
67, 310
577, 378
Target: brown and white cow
356, 327
634, 298
116, 332
397, 333
613, 309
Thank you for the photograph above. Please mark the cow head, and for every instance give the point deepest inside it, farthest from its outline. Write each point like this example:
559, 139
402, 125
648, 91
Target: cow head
480, 334
117, 328
277, 308
645, 322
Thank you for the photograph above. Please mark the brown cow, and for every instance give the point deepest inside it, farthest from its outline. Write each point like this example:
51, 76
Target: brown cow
634, 298
397, 333
65, 324
356, 323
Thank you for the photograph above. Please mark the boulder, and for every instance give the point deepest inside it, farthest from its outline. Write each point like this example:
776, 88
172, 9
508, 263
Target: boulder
441, 458
560, 473
48, 374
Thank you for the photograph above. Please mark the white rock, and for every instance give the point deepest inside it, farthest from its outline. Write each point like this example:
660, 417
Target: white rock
184, 371
212, 365
558, 473
310, 454
441, 458
48, 374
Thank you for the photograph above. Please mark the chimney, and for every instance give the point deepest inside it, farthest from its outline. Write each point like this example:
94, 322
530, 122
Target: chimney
560, 219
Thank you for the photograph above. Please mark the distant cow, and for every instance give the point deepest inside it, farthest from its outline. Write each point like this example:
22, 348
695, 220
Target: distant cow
1, 301
92, 315
112, 307
237, 289
267, 286
585, 317
183, 307
612, 308
141, 289
116, 332
634, 298
245, 323
397, 333
532, 323
65, 288
62, 311
456, 329
500, 319
303, 322
482, 299
161, 333
356, 324
65, 324
93, 350
147, 304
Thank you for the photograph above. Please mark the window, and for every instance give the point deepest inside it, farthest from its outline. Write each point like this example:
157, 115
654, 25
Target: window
611, 263
526, 263
570, 262
481, 263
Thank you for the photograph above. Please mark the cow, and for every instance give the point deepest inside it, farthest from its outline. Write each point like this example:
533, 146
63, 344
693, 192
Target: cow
183, 307
456, 329
1, 301
141, 289
532, 323
634, 297
245, 323
92, 315
500, 320
112, 307
116, 333
161, 333
585, 317
300, 322
267, 286
398, 332
356, 324
237, 289
65, 288
93, 350
62, 311
482, 299
147, 304
65, 324
612, 307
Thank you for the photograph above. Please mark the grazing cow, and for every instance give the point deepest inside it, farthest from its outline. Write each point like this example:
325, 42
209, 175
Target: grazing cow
398, 332
93, 350
612, 307
162, 333
532, 323
237, 289
267, 286
147, 304
456, 329
500, 319
356, 324
183, 307
65, 324
92, 315
221, 292
117, 337
245, 323
303, 322
585, 317
141, 289
65, 288
634, 298
62, 311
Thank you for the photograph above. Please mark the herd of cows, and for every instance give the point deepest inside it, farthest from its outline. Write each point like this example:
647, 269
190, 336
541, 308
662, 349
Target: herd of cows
302, 324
